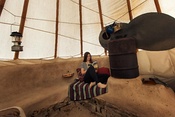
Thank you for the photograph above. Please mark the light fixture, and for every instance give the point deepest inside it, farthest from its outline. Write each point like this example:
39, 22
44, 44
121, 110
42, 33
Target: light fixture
16, 39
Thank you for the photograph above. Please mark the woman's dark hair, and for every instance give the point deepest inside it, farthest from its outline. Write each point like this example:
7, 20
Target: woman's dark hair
86, 55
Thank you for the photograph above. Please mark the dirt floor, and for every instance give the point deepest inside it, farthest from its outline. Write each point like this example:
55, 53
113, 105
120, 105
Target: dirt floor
41, 91
125, 98
86, 108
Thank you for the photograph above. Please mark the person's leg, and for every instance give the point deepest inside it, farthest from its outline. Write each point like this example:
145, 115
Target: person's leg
103, 78
91, 77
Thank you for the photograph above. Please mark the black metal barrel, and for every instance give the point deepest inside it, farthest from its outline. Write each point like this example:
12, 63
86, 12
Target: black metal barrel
123, 58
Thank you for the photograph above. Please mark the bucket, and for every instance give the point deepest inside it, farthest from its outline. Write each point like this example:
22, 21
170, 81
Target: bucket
123, 58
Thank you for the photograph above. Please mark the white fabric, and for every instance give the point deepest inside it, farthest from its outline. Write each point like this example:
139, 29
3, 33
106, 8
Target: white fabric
157, 63
39, 32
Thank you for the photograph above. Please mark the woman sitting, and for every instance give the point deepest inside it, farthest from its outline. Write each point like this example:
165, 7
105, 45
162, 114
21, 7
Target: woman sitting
90, 73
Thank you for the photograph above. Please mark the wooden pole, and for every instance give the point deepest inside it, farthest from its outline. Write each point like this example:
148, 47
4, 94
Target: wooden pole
157, 6
56, 29
2, 2
22, 23
129, 10
101, 19
81, 32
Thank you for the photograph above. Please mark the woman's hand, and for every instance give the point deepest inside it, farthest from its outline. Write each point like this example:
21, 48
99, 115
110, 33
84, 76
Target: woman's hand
96, 70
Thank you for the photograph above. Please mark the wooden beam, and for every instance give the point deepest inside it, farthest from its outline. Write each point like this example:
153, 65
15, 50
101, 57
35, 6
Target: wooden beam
22, 23
56, 30
23, 18
2, 2
101, 19
157, 6
129, 9
100, 14
81, 31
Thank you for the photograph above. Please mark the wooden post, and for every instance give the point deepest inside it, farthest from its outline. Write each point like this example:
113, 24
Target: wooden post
2, 2
81, 32
22, 23
157, 6
101, 19
129, 10
56, 29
